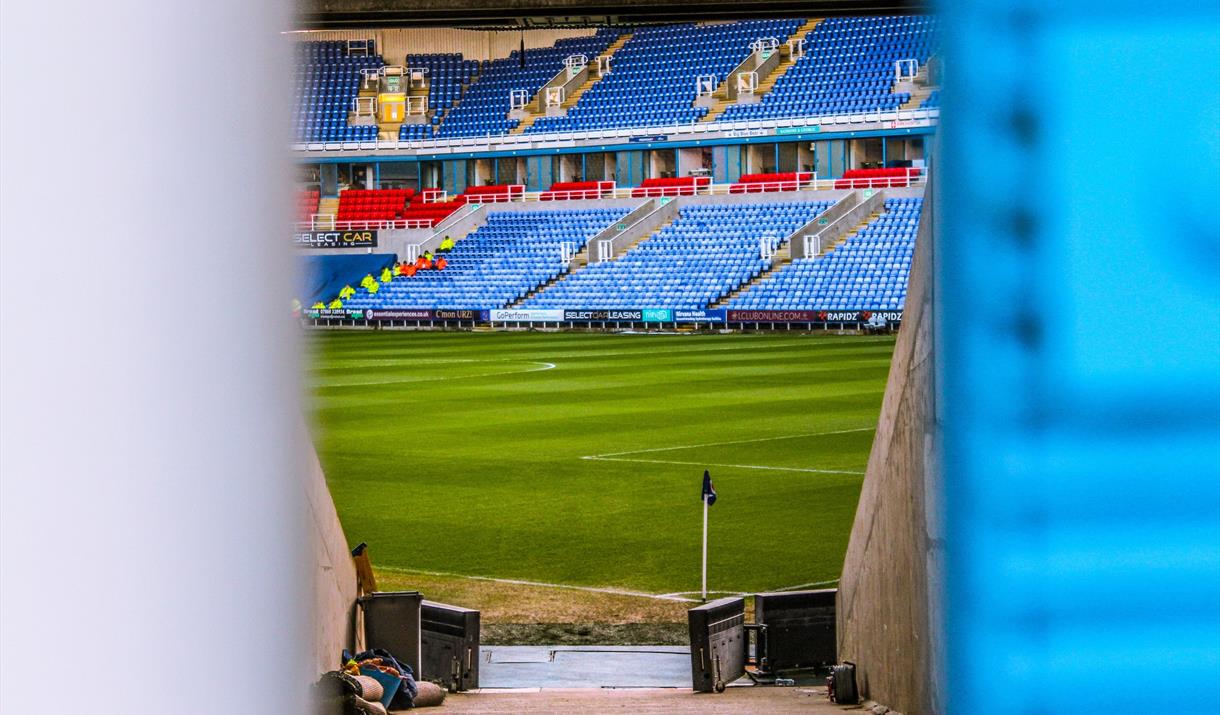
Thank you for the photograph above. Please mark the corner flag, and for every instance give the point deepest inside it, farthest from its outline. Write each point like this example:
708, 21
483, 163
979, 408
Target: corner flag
708, 497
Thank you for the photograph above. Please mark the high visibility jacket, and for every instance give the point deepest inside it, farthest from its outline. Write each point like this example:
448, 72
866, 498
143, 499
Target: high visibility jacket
447, 244
441, 263
347, 292
421, 263
335, 304
429, 256
374, 287
411, 269
386, 275
317, 306
368, 281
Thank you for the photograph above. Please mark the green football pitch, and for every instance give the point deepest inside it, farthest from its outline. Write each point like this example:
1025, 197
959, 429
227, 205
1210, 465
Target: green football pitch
577, 458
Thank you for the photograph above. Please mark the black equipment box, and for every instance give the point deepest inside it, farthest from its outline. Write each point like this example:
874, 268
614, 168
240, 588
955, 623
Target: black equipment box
450, 646
717, 643
800, 628
391, 621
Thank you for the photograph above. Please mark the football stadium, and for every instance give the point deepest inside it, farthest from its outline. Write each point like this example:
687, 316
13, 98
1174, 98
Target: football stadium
553, 276
625, 357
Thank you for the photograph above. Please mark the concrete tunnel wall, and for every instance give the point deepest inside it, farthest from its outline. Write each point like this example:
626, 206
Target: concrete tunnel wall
889, 602
332, 571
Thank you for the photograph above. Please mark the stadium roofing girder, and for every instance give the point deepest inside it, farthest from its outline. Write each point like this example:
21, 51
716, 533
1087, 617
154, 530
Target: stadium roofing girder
516, 14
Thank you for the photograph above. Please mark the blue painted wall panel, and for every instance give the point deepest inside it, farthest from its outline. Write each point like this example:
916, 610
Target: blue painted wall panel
1080, 295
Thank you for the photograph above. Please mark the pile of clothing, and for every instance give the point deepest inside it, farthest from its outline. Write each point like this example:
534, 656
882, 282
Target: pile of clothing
372, 682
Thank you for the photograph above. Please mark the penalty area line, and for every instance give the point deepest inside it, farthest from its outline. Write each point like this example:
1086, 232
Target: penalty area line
542, 584
596, 458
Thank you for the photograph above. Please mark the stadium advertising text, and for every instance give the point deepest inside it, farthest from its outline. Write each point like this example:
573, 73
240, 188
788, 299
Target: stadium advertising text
604, 315
811, 316
699, 316
526, 316
335, 239
456, 314
656, 315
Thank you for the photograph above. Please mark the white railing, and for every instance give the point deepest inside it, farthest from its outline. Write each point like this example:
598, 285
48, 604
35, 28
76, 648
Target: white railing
370, 77
518, 98
554, 96
330, 223
603, 65
417, 77
364, 106
764, 44
747, 82
796, 47
488, 142
705, 85
360, 48
447, 222
417, 104
905, 70
575, 63
326, 222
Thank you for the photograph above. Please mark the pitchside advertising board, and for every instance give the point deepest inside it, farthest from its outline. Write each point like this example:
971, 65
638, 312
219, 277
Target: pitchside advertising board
699, 316
335, 239
812, 316
631, 315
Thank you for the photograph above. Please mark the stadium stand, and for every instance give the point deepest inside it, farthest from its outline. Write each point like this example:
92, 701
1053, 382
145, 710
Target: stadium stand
652, 80
676, 186
483, 109
759, 183
327, 79
706, 252
868, 271
366, 208
498, 193
848, 67
565, 190
307, 205
876, 178
500, 262
427, 209
448, 75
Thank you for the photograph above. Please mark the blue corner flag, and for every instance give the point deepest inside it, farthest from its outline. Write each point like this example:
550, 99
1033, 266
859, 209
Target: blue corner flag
709, 492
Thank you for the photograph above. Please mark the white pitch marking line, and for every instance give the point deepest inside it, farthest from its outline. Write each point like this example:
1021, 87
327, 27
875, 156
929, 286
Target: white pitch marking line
716, 464
545, 366
732, 441
805, 585
522, 582
621, 456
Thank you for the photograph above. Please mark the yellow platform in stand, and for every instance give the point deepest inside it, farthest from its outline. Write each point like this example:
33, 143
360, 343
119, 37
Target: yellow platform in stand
391, 106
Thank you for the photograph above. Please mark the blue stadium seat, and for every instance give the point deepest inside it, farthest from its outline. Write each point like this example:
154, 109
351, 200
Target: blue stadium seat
698, 259
869, 271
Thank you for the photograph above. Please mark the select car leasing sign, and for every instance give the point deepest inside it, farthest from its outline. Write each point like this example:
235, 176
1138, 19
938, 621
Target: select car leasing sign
335, 239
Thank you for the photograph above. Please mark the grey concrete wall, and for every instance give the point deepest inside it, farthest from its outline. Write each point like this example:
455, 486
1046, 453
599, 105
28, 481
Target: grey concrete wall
889, 607
333, 573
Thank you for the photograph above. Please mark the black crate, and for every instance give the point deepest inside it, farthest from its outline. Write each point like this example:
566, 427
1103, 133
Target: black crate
717, 643
449, 644
800, 628
391, 621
